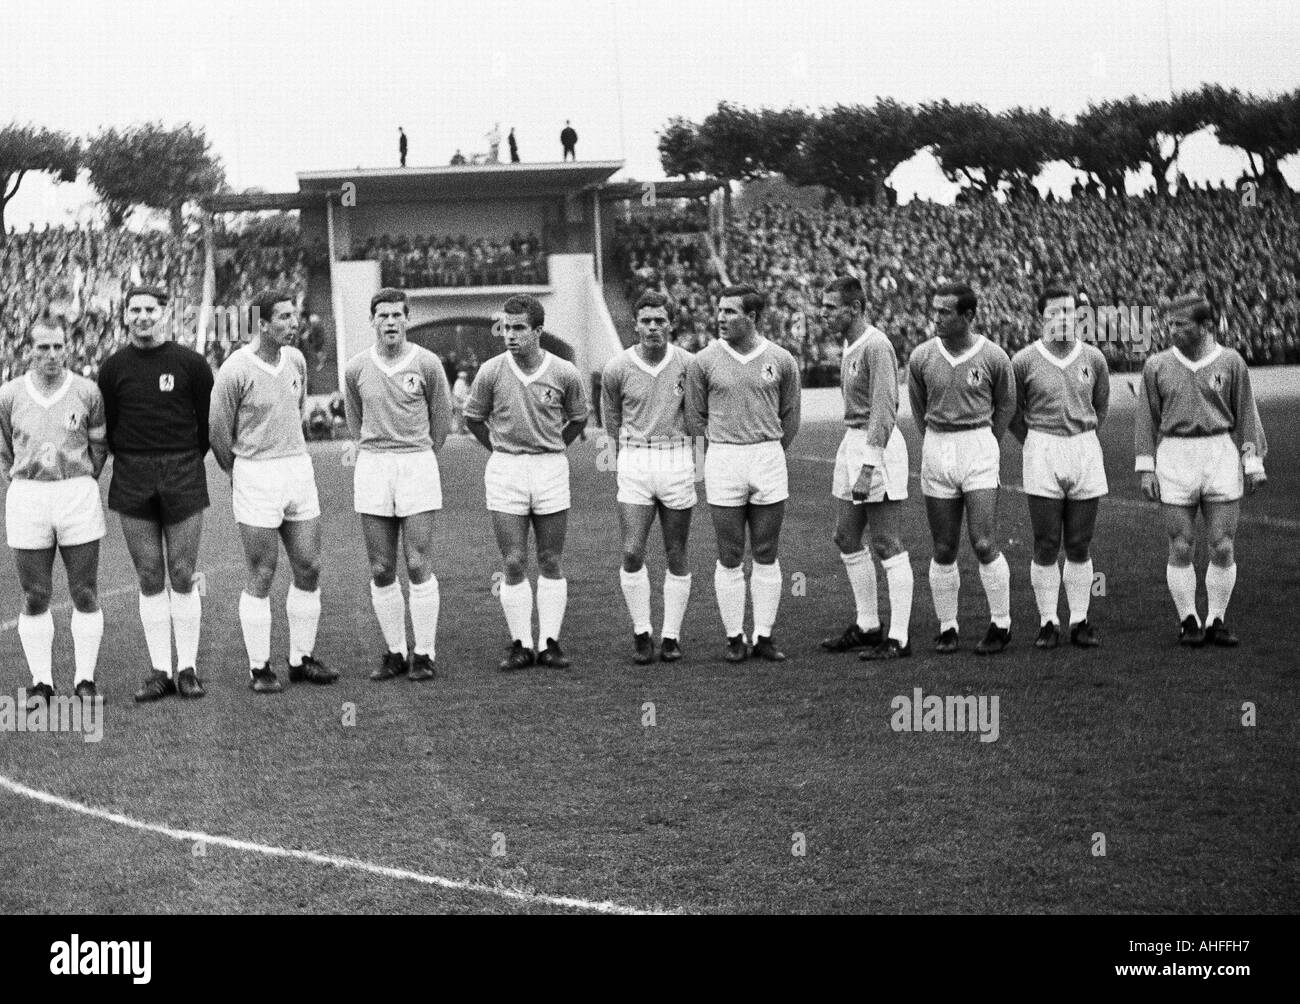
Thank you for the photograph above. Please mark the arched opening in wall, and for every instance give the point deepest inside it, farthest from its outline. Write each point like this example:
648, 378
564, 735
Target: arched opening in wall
465, 343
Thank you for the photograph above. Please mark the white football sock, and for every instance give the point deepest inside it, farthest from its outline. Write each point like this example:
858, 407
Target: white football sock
1046, 580
1218, 589
426, 601
36, 632
729, 584
156, 617
677, 593
945, 586
390, 611
255, 620
552, 598
765, 595
1078, 588
1182, 587
898, 578
302, 609
862, 579
187, 617
517, 602
996, 576
636, 593
87, 632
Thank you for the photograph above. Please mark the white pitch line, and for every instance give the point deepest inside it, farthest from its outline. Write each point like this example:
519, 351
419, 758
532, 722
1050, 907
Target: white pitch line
355, 864
1272, 522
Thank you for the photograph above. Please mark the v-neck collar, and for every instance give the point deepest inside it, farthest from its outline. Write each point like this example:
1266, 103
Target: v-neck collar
1201, 363
275, 370
55, 398
527, 378
747, 359
654, 371
1061, 362
379, 360
955, 361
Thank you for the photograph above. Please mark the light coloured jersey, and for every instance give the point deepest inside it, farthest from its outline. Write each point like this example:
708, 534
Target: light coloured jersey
645, 405
869, 383
1060, 396
951, 393
527, 413
742, 400
52, 438
398, 407
1208, 397
256, 409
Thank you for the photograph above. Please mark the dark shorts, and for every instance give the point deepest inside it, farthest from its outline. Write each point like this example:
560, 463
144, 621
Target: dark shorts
163, 487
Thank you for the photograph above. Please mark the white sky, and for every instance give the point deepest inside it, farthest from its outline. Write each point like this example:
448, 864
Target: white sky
289, 86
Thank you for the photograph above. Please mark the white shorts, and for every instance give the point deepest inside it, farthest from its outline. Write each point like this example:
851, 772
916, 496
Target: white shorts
1064, 467
41, 514
743, 474
647, 475
524, 483
269, 492
396, 484
953, 463
888, 480
1195, 469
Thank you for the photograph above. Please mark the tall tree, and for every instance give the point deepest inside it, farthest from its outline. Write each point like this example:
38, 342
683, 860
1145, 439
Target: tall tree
1105, 145
28, 148
1267, 128
971, 142
731, 144
680, 150
853, 149
151, 165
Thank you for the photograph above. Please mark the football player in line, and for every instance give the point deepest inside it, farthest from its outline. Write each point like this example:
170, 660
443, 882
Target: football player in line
870, 479
52, 448
963, 396
256, 435
399, 411
1062, 395
643, 405
526, 406
742, 393
156, 399
1200, 446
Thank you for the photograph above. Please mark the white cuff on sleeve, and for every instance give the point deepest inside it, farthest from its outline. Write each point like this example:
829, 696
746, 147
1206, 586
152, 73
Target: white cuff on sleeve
1145, 463
1253, 465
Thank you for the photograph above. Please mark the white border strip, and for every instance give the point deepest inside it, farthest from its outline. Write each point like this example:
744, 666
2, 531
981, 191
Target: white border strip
354, 864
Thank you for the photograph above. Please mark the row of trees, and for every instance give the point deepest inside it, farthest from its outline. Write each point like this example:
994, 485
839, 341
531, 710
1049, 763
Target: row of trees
852, 149
148, 165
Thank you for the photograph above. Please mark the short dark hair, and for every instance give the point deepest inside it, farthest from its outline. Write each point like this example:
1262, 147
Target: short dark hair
154, 291
525, 304
1055, 292
751, 300
849, 290
967, 301
389, 295
654, 298
266, 300
1195, 304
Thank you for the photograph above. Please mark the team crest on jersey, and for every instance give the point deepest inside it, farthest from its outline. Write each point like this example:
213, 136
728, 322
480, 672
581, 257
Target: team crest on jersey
1085, 374
769, 373
166, 382
973, 377
72, 421
293, 384
679, 388
1217, 380
548, 395
411, 382
853, 367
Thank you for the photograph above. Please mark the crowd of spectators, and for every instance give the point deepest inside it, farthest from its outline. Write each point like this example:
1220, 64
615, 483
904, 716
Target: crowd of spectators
76, 278
420, 262
1137, 252
652, 254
